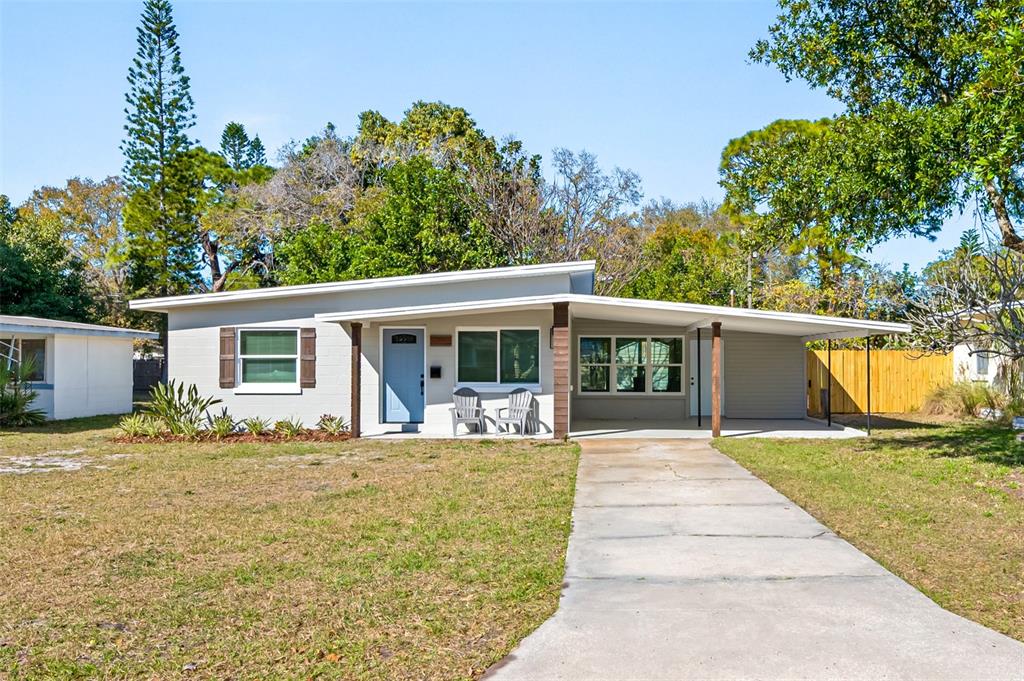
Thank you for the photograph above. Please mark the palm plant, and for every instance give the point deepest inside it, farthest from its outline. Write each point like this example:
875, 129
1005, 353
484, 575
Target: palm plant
17, 396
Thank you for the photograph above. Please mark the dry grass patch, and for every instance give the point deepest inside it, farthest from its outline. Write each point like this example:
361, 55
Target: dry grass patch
938, 503
362, 559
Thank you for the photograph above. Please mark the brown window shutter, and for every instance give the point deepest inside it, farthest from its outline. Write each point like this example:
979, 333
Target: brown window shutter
307, 358
227, 357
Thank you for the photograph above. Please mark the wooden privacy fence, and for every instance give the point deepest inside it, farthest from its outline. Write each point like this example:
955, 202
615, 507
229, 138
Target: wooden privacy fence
900, 382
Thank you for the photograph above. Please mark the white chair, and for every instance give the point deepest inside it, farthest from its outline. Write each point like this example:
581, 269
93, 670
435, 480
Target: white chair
467, 410
519, 411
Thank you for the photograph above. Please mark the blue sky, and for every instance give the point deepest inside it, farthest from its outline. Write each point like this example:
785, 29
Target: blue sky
658, 88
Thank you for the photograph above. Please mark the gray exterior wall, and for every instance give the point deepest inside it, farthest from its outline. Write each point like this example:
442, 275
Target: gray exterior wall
193, 348
764, 377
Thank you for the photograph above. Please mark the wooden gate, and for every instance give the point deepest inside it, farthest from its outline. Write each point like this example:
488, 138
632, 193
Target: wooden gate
899, 381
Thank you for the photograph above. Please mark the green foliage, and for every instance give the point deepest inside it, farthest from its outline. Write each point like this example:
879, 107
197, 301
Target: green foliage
289, 428
139, 424
222, 424
332, 425
418, 222
315, 254
241, 152
691, 261
160, 173
255, 425
935, 107
16, 397
181, 410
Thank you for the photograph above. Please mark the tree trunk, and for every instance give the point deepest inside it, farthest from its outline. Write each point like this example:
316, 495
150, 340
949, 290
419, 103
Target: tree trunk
1011, 239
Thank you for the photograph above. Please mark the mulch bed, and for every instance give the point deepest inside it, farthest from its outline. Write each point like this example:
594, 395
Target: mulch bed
234, 438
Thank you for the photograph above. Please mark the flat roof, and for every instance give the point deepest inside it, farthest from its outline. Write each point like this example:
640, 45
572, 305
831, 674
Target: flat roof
19, 324
164, 304
686, 316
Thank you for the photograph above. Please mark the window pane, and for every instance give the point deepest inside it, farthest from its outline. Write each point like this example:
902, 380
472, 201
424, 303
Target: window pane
630, 379
629, 351
520, 356
595, 350
34, 350
982, 364
478, 356
269, 343
594, 379
268, 371
666, 379
667, 350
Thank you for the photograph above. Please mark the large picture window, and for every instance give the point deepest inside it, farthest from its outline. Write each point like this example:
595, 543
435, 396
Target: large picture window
269, 356
627, 364
500, 356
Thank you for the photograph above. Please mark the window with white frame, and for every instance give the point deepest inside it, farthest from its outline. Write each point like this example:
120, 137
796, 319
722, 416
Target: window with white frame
499, 356
630, 364
982, 363
269, 356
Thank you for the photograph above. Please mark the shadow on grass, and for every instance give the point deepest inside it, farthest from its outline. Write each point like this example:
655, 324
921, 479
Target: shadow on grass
68, 425
985, 442
883, 422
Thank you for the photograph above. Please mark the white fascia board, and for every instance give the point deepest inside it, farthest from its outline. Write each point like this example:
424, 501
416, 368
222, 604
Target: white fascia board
526, 302
849, 327
71, 329
163, 304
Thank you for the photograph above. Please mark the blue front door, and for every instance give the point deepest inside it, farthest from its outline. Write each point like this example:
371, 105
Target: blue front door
403, 375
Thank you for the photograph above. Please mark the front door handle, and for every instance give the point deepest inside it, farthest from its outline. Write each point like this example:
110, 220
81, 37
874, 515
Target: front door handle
421, 384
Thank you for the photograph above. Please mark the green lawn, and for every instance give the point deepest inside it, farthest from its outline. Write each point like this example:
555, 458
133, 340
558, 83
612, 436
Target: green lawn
939, 504
363, 559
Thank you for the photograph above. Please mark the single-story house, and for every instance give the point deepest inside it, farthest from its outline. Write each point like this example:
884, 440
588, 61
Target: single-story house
389, 353
77, 369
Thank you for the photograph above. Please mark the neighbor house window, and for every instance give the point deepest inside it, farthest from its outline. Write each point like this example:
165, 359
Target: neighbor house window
982, 363
507, 356
269, 356
612, 364
34, 350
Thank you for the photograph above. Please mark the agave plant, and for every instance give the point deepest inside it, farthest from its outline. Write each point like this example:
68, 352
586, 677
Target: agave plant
289, 428
180, 409
222, 424
255, 425
133, 425
332, 425
16, 397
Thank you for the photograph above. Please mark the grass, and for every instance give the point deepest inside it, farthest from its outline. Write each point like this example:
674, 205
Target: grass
362, 559
939, 504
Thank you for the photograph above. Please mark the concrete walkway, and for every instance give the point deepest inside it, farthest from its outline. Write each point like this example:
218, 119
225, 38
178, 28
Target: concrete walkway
682, 565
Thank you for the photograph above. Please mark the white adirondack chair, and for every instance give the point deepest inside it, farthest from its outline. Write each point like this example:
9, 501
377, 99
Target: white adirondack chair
519, 411
467, 410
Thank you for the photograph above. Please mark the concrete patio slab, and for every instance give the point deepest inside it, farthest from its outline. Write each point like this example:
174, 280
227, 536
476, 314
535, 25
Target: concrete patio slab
687, 427
682, 565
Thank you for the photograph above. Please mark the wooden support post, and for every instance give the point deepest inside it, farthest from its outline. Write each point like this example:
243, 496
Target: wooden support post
716, 379
828, 390
868, 339
355, 397
560, 351
700, 401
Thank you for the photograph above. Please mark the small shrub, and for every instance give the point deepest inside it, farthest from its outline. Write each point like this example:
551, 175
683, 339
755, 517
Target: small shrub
289, 428
332, 425
255, 425
152, 427
133, 425
16, 397
180, 409
222, 424
962, 398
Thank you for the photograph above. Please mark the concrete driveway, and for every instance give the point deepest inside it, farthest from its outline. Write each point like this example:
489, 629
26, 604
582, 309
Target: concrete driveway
682, 565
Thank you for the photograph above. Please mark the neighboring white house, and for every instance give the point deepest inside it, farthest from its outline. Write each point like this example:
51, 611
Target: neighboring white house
79, 369
402, 345
976, 366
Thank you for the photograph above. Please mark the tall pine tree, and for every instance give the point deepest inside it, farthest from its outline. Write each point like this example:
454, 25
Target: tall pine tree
164, 185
